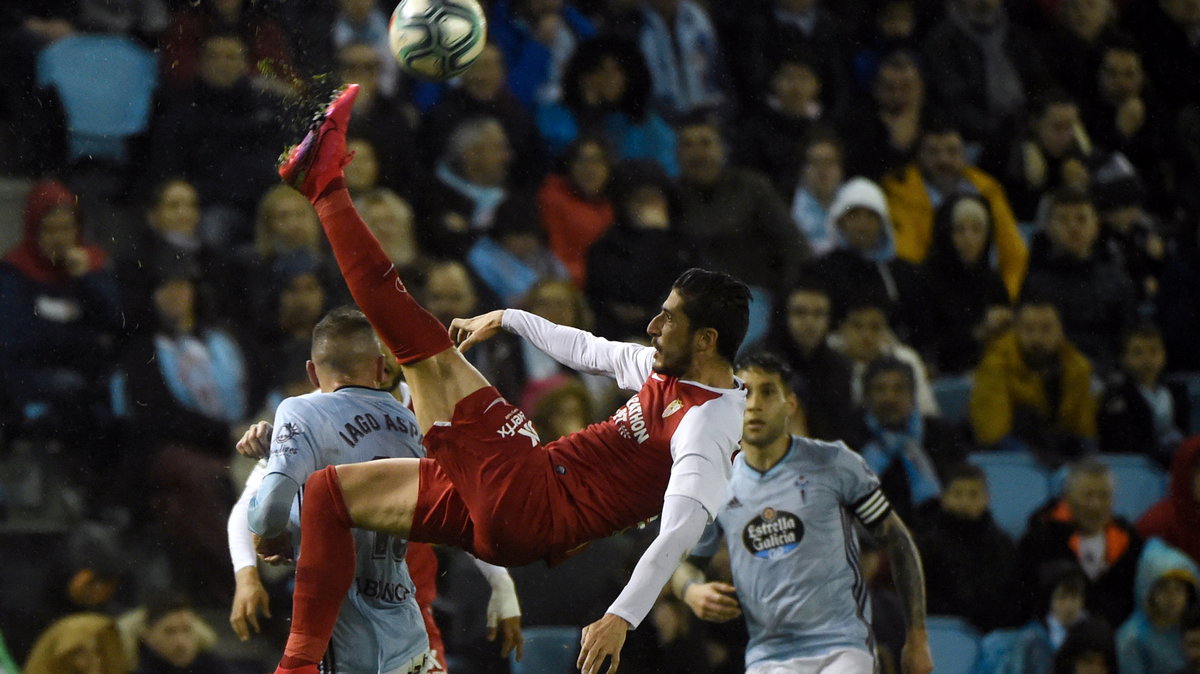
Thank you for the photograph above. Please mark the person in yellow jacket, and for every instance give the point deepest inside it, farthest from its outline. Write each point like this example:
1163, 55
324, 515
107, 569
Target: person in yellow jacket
1034, 387
939, 171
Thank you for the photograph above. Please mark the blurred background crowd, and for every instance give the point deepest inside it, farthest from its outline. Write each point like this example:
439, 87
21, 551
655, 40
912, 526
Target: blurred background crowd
971, 227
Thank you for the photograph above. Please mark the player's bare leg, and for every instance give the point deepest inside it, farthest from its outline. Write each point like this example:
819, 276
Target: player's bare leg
437, 374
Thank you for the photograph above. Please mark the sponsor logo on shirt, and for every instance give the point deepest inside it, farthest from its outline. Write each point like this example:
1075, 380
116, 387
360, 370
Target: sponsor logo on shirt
773, 534
287, 431
630, 422
674, 407
518, 424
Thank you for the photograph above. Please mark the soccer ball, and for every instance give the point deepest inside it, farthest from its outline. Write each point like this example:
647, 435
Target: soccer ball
437, 39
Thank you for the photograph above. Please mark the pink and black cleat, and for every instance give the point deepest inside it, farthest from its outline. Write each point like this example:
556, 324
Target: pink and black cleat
318, 159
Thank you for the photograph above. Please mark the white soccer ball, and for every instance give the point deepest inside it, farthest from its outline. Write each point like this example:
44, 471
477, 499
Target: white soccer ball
437, 39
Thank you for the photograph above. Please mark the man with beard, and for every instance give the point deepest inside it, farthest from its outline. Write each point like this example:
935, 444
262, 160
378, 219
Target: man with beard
490, 486
1033, 388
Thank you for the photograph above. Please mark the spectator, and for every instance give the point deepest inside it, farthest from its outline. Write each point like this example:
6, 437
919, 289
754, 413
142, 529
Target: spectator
884, 137
269, 59
1190, 627
864, 263
770, 138
574, 206
1167, 28
969, 561
606, 93
865, 335
474, 178
1094, 298
1088, 649
1079, 526
906, 449
1178, 305
362, 174
1032, 389
1074, 41
1130, 237
391, 220
1062, 594
559, 302
822, 375
80, 643
174, 640
1138, 412
381, 115
646, 227
562, 410
1054, 153
724, 206
512, 256
1151, 640
363, 23
232, 136
939, 172
684, 56
894, 26
1176, 518
172, 236
983, 68
60, 302
483, 94
822, 174
537, 38
967, 302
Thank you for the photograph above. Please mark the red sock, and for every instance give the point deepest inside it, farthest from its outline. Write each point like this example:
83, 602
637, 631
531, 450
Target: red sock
411, 332
324, 570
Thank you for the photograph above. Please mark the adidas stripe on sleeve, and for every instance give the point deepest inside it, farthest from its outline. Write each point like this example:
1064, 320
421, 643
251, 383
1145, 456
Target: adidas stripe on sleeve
872, 508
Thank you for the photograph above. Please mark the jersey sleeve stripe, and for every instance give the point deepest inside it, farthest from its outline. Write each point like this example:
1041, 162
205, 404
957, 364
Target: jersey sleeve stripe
869, 501
874, 508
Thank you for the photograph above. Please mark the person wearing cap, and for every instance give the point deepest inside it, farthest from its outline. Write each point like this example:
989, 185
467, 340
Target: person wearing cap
1150, 640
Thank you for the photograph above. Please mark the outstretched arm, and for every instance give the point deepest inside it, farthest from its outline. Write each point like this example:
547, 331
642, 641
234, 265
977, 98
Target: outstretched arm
683, 521
249, 595
503, 609
910, 583
713, 601
629, 364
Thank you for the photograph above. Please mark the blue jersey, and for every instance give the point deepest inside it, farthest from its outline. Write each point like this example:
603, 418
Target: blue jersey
794, 553
380, 627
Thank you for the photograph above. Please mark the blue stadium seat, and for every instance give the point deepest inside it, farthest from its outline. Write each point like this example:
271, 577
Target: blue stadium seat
1018, 484
954, 643
993, 650
1140, 483
548, 650
1191, 382
953, 396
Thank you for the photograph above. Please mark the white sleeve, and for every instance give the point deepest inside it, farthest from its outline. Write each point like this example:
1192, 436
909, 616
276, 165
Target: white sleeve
702, 450
503, 603
629, 364
241, 543
683, 521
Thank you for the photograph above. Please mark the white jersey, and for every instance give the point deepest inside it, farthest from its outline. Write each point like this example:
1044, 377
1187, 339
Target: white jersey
379, 628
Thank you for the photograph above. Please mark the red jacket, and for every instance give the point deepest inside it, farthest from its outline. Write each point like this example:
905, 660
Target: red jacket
1176, 519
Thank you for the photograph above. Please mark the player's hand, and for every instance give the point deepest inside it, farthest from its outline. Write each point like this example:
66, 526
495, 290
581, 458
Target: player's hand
467, 332
714, 602
256, 441
274, 551
915, 657
511, 637
602, 639
248, 599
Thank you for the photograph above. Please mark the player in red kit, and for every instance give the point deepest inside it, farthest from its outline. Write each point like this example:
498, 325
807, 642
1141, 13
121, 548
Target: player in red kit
489, 485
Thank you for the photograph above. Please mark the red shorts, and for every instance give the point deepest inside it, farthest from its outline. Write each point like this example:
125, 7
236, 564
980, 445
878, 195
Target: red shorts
491, 488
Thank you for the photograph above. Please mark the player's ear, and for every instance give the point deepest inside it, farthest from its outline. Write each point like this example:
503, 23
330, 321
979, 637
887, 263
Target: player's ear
705, 339
380, 368
311, 368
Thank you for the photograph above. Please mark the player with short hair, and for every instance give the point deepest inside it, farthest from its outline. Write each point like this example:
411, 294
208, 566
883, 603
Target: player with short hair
490, 486
792, 546
352, 417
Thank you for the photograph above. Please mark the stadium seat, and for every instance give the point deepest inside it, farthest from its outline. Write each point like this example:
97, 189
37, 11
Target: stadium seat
1018, 484
1140, 483
548, 650
953, 396
105, 83
954, 643
993, 650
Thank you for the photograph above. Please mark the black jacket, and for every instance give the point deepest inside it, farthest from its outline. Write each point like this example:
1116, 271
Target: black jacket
1125, 422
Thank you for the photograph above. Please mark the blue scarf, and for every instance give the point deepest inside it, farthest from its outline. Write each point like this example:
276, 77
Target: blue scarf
486, 199
206, 375
903, 445
684, 64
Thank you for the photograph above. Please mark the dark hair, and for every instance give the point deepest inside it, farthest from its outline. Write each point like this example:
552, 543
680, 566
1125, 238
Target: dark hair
819, 134
1143, 330
575, 148
1088, 636
1035, 299
162, 604
337, 325
888, 364
1069, 196
767, 362
938, 127
1050, 98
716, 300
808, 283
965, 471
899, 58
586, 59
1191, 619
700, 117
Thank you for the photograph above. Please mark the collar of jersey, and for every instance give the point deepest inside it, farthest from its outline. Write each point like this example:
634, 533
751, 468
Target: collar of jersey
361, 389
738, 386
752, 472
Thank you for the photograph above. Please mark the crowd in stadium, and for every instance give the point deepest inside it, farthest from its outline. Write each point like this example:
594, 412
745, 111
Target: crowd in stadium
970, 227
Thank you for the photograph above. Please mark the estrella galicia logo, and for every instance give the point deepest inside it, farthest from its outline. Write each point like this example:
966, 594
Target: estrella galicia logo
773, 534
286, 432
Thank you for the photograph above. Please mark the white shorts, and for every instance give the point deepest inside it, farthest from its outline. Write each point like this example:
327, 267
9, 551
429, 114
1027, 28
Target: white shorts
849, 661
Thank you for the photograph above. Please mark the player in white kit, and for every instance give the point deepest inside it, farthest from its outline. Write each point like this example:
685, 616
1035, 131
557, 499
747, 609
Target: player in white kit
794, 554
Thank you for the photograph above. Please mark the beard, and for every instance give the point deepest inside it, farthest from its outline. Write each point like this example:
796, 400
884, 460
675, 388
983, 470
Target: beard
675, 365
